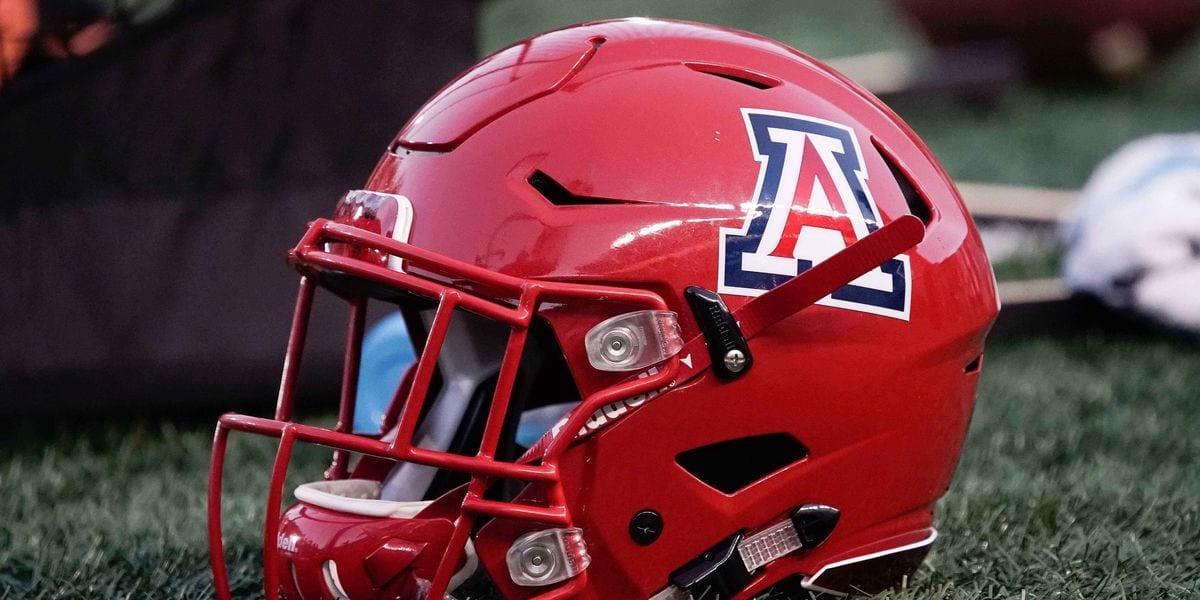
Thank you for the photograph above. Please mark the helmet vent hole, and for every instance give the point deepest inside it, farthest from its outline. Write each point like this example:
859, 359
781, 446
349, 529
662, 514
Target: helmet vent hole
973, 366
558, 195
754, 79
918, 206
733, 465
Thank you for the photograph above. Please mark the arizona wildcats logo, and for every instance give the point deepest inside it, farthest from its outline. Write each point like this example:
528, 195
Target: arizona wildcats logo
811, 201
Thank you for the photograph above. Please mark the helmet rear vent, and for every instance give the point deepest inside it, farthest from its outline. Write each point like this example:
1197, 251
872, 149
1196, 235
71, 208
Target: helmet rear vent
740, 75
918, 206
732, 465
973, 366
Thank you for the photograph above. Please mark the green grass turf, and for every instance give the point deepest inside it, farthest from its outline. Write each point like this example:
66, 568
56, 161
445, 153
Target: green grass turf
1034, 265
1081, 474
1079, 480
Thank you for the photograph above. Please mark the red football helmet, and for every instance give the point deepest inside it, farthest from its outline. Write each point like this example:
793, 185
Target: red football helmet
745, 296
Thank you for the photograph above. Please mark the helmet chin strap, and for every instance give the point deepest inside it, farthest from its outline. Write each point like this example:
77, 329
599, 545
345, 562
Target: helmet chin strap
807, 288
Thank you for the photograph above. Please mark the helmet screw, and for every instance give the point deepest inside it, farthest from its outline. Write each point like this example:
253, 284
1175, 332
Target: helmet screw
735, 361
645, 527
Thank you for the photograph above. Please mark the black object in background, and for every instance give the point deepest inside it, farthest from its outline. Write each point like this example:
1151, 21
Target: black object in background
148, 194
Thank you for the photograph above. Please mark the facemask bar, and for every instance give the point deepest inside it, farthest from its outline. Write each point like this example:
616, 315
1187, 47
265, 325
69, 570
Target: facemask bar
312, 257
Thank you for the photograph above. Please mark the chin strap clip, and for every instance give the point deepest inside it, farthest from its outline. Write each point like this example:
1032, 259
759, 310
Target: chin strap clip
728, 567
727, 347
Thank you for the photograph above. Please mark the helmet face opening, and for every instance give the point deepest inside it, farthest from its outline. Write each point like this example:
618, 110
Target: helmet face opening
451, 432
460, 397
689, 310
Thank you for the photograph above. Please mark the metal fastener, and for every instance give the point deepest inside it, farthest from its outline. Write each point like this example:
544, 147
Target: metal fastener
735, 361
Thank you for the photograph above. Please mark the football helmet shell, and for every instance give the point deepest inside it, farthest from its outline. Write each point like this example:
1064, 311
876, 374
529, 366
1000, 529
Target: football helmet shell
830, 293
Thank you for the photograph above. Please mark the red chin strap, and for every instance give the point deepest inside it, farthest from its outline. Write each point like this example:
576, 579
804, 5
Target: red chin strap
785, 300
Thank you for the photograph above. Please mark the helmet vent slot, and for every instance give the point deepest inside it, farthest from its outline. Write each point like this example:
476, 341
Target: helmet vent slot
732, 465
754, 79
918, 206
973, 366
558, 195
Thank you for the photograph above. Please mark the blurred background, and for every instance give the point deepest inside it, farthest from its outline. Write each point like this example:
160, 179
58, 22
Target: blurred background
158, 158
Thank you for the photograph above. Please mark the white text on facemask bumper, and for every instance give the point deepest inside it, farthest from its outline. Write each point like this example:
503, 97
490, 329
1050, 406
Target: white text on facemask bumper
612, 411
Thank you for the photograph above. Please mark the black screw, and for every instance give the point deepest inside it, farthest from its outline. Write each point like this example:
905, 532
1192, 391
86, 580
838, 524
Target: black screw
645, 527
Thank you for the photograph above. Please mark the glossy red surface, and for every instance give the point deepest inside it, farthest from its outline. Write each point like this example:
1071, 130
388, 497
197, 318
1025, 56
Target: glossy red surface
393, 553
649, 121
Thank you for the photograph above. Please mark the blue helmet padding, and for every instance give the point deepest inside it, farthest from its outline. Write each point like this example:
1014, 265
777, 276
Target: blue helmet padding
386, 353
536, 422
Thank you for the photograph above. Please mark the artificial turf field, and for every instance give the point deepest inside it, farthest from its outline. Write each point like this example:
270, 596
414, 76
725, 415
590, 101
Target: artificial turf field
1080, 477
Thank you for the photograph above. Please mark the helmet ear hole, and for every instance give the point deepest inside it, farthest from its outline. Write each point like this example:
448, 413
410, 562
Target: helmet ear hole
733, 465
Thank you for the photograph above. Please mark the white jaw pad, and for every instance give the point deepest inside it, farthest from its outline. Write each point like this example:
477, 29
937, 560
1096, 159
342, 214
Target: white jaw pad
357, 497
